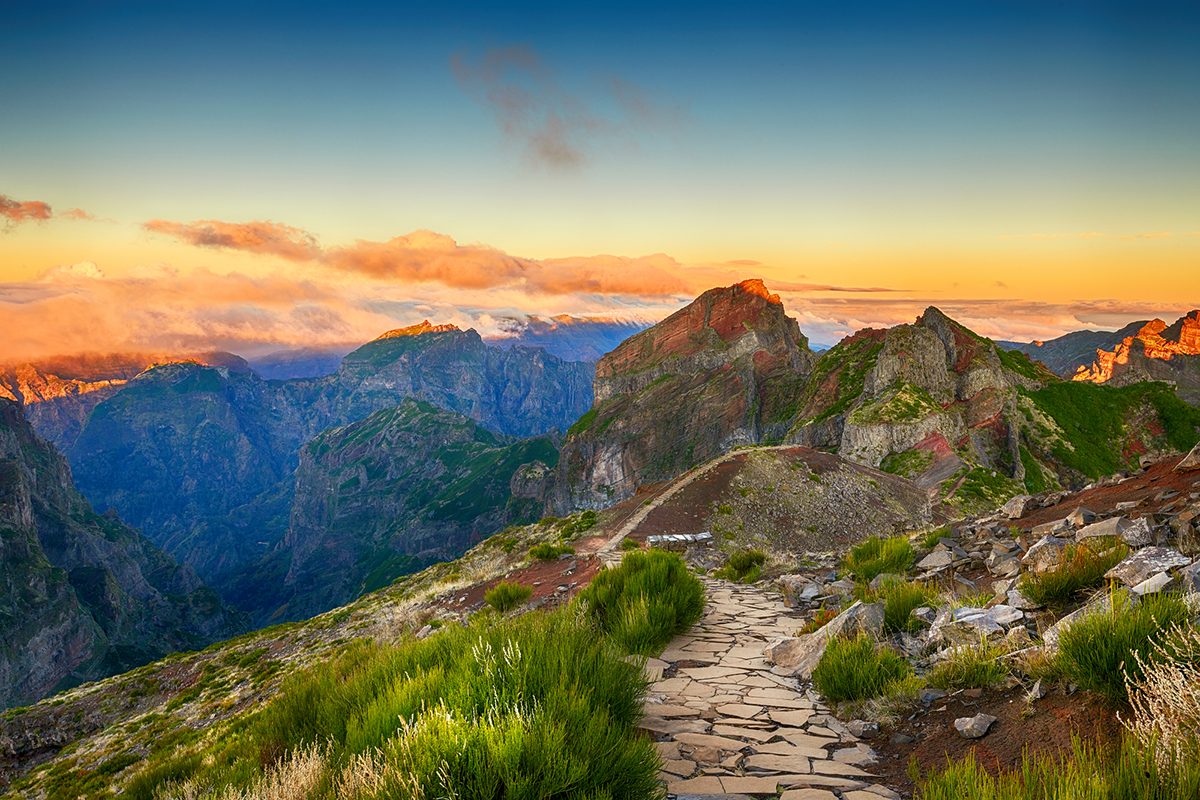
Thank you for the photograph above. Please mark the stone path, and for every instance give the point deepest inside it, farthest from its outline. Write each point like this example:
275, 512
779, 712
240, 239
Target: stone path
729, 727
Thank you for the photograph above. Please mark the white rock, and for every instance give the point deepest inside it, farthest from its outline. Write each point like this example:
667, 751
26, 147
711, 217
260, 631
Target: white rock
1147, 562
1154, 584
1016, 508
974, 727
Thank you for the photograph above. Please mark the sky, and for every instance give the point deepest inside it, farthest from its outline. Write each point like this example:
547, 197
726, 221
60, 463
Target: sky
256, 176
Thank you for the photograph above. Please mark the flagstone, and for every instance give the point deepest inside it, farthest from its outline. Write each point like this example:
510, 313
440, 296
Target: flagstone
789, 749
745, 733
739, 710
770, 762
749, 785
706, 785
710, 673
796, 719
838, 768
668, 710
708, 740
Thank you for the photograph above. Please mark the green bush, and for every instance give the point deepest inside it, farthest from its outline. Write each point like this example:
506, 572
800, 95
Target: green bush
744, 566
1082, 568
1087, 773
876, 556
537, 706
507, 595
977, 666
549, 552
853, 669
1098, 651
630, 544
645, 601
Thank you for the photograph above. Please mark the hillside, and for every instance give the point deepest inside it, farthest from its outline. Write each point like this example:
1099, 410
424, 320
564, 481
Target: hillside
84, 595
1066, 354
1156, 352
724, 371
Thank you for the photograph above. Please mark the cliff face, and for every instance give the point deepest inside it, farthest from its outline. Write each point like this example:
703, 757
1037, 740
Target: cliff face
203, 458
724, 371
1066, 354
1156, 352
388, 494
82, 596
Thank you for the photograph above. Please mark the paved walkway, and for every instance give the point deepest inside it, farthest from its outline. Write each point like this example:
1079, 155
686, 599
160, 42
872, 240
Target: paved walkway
731, 728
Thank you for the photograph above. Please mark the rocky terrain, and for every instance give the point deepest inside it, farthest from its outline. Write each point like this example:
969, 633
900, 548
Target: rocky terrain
1157, 352
1066, 354
722, 372
84, 596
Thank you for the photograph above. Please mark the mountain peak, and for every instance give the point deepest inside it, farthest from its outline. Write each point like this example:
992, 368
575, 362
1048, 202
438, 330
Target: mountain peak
1158, 340
424, 326
756, 286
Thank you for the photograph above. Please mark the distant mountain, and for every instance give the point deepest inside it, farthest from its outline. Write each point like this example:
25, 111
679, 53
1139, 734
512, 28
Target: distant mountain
569, 338
204, 459
82, 596
302, 362
1156, 352
1066, 354
724, 371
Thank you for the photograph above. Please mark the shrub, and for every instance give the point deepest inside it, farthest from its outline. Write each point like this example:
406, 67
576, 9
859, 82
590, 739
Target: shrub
1081, 568
645, 601
853, 669
630, 544
1099, 650
930, 539
507, 595
744, 566
968, 667
536, 706
549, 552
1087, 772
824, 617
876, 556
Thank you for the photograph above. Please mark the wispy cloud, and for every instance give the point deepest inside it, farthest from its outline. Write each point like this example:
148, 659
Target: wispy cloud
1145, 236
79, 215
17, 211
556, 128
1042, 236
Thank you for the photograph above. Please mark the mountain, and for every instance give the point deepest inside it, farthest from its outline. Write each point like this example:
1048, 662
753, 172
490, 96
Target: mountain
405, 487
59, 393
1066, 354
1157, 352
570, 338
82, 596
301, 362
203, 459
724, 371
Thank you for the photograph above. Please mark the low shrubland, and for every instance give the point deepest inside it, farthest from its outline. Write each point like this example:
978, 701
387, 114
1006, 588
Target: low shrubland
969, 667
1081, 568
855, 669
507, 595
1098, 651
645, 601
549, 552
877, 555
744, 566
536, 706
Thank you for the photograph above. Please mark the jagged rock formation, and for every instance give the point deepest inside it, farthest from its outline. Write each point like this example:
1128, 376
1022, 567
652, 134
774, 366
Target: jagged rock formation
391, 493
930, 401
59, 393
724, 371
82, 596
1157, 351
203, 458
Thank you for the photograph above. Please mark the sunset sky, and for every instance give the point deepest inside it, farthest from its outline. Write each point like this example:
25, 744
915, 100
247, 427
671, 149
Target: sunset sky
258, 176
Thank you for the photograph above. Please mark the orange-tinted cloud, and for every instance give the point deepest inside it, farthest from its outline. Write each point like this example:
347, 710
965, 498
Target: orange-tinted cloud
264, 238
79, 215
16, 211
1145, 236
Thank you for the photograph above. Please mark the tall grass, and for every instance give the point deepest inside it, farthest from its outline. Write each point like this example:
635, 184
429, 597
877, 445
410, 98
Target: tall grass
507, 595
744, 566
537, 706
876, 556
974, 666
645, 601
1100, 650
1081, 568
1088, 773
853, 669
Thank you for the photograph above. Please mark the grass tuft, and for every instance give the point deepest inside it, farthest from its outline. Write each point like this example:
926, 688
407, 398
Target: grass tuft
549, 552
1081, 568
744, 566
975, 666
876, 556
507, 595
854, 669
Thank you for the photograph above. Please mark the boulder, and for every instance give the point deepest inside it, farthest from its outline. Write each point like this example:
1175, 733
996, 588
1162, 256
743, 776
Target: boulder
1080, 517
1154, 584
1020, 601
966, 626
1189, 576
1113, 526
938, 559
1046, 553
1190, 461
799, 655
1147, 562
1016, 508
1138, 533
974, 727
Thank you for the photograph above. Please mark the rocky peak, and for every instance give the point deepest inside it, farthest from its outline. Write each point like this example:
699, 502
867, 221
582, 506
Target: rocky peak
424, 326
1155, 340
716, 329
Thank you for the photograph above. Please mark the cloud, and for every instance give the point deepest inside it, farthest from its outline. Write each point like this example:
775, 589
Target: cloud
1145, 236
1042, 236
557, 129
79, 215
264, 238
67, 273
16, 211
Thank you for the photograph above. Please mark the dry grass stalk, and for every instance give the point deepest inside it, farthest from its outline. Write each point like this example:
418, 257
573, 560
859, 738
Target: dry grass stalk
294, 778
1166, 701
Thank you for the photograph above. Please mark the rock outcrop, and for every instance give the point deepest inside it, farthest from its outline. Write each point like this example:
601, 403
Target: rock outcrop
82, 596
724, 371
1156, 352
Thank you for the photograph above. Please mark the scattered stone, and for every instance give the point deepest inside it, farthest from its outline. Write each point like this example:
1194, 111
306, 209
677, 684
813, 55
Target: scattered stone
1154, 584
1046, 553
928, 615
1189, 576
965, 626
902, 738
1190, 461
1016, 508
1102, 604
1038, 690
1008, 568
799, 655
974, 727
863, 730
938, 559
1146, 562
1080, 517
929, 694
1138, 534
885, 577
1020, 601
1107, 527
1018, 638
